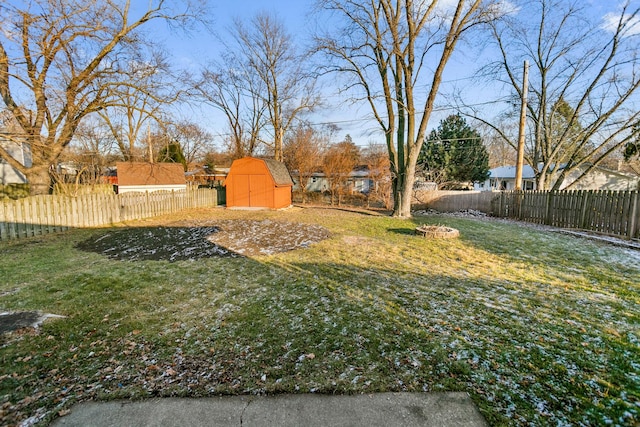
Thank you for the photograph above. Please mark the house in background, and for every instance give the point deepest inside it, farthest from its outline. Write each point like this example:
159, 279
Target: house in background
359, 181
258, 183
503, 178
207, 177
20, 152
147, 177
599, 178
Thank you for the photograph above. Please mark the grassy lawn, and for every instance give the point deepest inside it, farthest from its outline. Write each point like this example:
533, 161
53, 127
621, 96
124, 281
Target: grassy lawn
538, 327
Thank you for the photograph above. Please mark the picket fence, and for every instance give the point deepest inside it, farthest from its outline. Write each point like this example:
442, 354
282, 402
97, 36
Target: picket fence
615, 213
37, 215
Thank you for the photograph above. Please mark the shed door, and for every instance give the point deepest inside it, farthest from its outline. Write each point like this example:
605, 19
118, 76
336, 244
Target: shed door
241, 190
258, 191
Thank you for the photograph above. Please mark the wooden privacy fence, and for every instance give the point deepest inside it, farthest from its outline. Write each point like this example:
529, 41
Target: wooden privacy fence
38, 215
453, 201
609, 212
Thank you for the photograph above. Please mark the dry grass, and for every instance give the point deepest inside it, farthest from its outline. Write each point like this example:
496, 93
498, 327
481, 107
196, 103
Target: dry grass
540, 328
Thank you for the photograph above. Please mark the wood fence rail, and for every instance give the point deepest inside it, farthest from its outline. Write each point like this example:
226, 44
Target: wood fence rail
615, 213
33, 216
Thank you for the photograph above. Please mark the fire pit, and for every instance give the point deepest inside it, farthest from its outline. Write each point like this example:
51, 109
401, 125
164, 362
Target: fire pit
437, 232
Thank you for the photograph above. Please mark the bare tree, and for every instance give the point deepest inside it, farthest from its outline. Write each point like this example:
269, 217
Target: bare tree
582, 78
267, 51
303, 151
61, 60
338, 163
376, 158
235, 92
385, 46
194, 140
136, 106
215, 159
501, 152
92, 150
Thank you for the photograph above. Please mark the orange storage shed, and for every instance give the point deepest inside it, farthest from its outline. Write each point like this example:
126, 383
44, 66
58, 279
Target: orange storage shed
258, 183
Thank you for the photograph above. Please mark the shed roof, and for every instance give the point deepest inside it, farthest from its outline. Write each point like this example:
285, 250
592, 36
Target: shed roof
142, 173
279, 172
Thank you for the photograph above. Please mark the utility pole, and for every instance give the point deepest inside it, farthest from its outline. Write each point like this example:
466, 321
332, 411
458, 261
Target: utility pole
521, 130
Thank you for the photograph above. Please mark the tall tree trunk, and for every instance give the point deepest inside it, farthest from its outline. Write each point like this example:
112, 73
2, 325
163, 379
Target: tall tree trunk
39, 180
279, 137
407, 189
400, 202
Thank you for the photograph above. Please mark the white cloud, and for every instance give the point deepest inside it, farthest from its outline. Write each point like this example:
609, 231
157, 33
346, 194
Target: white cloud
632, 26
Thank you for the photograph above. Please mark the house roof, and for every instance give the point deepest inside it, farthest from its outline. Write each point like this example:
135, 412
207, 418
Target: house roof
142, 173
279, 172
208, 172
353, 174
509, 172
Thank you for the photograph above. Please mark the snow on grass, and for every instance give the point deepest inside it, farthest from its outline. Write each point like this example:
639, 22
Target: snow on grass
187, 241
540, 328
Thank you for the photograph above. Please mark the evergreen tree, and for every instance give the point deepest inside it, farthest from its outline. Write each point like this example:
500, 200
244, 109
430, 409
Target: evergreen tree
454, 154
632, 148
172, 153
565, 131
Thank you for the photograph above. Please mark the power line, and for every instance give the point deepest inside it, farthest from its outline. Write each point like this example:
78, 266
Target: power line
373, 119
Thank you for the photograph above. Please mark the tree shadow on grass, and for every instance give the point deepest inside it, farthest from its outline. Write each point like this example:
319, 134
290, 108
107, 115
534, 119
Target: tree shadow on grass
403, 231
335, 327
487, 336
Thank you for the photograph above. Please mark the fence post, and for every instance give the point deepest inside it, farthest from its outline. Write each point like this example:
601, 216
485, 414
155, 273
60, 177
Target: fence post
634, 213
3, 224
517, 193
585, 205
547, 209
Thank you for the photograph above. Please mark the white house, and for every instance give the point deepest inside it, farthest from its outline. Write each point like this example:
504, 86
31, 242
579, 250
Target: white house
602, 179
599, 178
503, 178
20, 152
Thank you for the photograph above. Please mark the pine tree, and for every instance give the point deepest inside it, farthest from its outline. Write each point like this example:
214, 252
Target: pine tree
172, 153
632, 148
454, 154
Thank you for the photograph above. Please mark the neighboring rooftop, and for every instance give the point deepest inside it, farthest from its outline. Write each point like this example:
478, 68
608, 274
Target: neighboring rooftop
143, 173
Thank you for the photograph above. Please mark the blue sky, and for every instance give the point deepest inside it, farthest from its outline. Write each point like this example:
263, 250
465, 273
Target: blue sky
202, 47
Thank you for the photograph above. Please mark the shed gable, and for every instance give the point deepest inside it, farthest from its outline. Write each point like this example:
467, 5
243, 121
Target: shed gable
279, 172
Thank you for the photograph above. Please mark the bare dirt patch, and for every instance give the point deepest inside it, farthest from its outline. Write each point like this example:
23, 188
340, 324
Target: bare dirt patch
252, 237
187, 240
